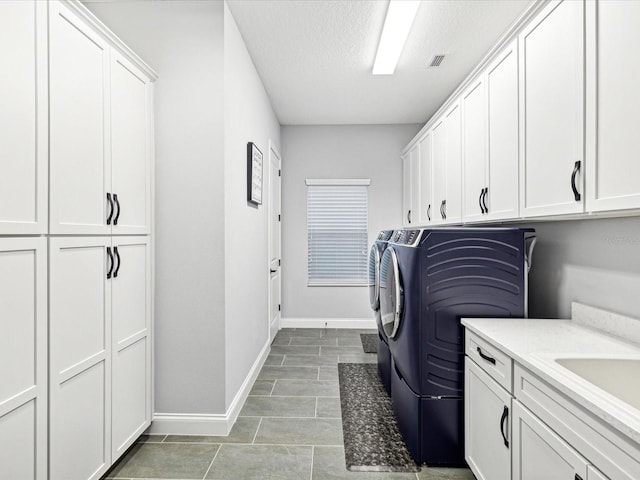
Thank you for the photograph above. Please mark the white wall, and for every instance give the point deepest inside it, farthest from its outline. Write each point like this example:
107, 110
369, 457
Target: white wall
358, 151
595, 261
183, 42
248, 118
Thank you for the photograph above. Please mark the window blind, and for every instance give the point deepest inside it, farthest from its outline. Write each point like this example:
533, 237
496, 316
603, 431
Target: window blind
337, 221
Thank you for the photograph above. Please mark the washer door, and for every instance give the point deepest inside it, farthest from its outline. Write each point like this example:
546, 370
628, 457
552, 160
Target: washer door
391, 293
374, 277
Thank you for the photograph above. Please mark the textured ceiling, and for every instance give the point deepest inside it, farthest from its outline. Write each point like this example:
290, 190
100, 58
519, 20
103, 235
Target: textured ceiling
315, 56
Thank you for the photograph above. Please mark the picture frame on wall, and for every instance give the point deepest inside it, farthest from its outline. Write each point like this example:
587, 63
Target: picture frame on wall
254, 174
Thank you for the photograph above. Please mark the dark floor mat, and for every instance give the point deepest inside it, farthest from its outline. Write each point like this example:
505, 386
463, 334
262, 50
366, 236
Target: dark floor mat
372, 441
369, 342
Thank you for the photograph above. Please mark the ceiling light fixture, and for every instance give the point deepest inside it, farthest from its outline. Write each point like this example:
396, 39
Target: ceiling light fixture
400, 16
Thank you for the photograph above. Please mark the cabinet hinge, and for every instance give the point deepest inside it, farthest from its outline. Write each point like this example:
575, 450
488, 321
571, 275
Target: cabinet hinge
279, 307
279, 262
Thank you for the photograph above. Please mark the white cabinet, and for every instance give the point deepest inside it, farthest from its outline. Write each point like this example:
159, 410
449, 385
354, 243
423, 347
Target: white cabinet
100, 133
551, 109
501, 191
453, 165
612, 106
487, 425
425, 210
23, 117
99, 351
411, 190
23, 357
439, 170
539, 454
474, 150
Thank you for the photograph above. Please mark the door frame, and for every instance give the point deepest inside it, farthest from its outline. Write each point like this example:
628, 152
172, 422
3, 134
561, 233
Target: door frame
274, 326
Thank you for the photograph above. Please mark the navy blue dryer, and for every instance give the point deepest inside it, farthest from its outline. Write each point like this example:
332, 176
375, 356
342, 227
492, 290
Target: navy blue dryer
429, 280
375, 256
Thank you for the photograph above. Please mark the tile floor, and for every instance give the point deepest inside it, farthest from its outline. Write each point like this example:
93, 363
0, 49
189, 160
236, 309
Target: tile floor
289, 428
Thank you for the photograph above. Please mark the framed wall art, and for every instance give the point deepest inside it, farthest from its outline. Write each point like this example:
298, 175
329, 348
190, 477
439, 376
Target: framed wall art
254, 174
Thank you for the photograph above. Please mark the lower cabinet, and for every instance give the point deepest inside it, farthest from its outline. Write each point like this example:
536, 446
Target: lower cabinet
99, 297
487, 432
23, 357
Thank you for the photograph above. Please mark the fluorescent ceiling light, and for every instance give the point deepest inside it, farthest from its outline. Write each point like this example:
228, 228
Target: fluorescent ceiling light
396, 28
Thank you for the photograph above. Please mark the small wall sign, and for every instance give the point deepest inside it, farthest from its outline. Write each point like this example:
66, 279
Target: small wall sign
254, 174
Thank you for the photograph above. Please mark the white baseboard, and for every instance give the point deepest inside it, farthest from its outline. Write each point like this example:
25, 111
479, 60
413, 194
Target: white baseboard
328, 323
209, 424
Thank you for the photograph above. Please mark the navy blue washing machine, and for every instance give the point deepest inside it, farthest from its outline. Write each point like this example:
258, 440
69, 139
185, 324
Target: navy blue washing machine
375, 256
429, 279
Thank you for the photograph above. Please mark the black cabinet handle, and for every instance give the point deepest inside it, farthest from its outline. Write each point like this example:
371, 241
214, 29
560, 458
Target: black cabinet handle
409, 216
577, 477
429, 212
480, 200
484, 199
503, 420
115, 250
486, 357
110, 208
576, 169
115, 199
444, 209
110, 255
272, 270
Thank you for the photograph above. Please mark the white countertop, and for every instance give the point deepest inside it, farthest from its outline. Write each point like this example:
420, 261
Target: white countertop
535, 344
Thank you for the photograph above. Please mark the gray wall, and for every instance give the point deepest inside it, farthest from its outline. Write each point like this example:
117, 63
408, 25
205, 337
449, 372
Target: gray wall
358, 151
595, 261
248, 118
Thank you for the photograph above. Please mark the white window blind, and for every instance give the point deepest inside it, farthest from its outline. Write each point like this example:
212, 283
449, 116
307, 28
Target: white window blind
337, 221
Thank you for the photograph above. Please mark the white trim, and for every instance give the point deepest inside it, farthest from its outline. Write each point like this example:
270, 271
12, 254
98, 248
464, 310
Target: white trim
209, 424
338, 181
328, 323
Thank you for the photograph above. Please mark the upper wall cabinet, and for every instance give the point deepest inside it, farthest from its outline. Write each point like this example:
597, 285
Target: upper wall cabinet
613, 106
452, 207
425, 210
411, 192
551, 109
99, 135
438, 177
23, 117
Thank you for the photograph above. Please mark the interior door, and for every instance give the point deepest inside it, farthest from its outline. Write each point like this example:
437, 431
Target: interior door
275, 280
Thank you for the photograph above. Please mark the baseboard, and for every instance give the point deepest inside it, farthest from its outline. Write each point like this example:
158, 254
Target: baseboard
328, 323
209, 424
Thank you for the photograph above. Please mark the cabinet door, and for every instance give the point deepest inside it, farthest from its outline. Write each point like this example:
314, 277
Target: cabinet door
80, 177
130, 147
414, 158
453, 165
538, 453
406, 189
503, 161
613, 106
23, 357
474, 149
23, 117
79, 360
551, 105
439, 170
425, 184
486, 425
131, 346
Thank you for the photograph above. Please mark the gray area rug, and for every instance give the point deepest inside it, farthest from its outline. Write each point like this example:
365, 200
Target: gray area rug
372, 441
369, 342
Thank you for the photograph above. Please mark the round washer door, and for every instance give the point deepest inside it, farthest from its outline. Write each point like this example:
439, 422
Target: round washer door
374, 277
391, 293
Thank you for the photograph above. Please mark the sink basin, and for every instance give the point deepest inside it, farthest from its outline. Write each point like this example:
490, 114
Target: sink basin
616, 376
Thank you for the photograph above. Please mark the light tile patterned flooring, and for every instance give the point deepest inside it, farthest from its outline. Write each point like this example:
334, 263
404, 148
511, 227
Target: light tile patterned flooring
289, 428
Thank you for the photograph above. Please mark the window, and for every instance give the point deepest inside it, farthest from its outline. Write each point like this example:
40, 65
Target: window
337, 221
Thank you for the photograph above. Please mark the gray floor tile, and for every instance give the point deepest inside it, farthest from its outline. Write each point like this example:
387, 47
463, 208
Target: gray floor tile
328, 407
274, 359
307, 388
300, 431
301, 332
329, 464
151, 438
314, 341
328, 373
310, 360
358, 358
243, 431
262, 387
261, 462
281, 340
279, 407
445, 474
295, 350
354, 341
165, 460
341, 350
270, 372
346, 332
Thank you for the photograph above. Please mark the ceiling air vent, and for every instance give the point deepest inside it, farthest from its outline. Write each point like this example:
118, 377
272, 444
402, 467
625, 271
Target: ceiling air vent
436, 61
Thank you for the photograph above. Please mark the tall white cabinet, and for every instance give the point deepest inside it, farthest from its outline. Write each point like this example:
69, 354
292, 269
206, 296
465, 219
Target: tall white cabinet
76, 188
